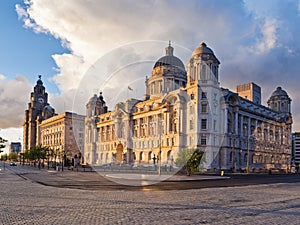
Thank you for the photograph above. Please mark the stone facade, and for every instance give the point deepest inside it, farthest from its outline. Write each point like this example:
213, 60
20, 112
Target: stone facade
249, 91
187, 108
38, 110
64, 133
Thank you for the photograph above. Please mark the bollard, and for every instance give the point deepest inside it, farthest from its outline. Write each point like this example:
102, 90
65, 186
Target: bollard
222, 172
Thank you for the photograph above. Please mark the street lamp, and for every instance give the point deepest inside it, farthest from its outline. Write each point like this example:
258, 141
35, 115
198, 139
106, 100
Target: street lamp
160, 134
159, 153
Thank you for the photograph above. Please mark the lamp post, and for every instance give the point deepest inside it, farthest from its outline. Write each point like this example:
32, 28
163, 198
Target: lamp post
160, 134
159, 153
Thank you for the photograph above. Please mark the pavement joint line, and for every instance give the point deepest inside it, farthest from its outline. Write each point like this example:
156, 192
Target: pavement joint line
149, 177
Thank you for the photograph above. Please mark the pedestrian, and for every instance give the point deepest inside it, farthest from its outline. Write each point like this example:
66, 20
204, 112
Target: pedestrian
154, 160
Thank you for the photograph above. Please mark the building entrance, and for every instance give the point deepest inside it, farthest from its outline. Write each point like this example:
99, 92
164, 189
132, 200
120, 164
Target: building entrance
119, 157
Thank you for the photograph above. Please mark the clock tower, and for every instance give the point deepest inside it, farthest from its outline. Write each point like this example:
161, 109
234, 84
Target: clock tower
38, 110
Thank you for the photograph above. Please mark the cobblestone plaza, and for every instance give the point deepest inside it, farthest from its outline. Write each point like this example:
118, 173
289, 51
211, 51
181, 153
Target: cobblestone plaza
27, 202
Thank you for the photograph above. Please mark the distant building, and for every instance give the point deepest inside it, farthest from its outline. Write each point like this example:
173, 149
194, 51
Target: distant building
296, 148
64, 133
15, 147
249, 91
185, 107
38, 110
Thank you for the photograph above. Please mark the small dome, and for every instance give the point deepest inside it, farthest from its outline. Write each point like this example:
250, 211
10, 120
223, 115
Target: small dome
202, 49
48, 107
279, 92
93, 99
169, 59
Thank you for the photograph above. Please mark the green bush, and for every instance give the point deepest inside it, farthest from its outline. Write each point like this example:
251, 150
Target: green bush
189, 159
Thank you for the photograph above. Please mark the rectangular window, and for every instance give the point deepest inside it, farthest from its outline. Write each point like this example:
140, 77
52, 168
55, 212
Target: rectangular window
204, 108
191, 125
203, 124
203, 95
203, 140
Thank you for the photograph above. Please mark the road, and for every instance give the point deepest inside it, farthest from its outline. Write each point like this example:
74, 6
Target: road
26, 201
98, 181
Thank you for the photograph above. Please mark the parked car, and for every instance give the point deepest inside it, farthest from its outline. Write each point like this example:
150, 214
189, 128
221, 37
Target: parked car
13, 163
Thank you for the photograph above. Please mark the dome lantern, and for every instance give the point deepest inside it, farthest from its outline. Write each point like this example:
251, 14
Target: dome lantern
169, 59
168, 74
169, 50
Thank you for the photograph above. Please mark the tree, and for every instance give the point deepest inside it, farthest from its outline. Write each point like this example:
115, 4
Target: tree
4, 157
189, 159
2, 145
13, 156
38, 153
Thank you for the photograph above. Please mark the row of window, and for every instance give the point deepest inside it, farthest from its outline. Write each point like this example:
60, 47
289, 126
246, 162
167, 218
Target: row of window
203, 140
203, 124
203, 95
154, 143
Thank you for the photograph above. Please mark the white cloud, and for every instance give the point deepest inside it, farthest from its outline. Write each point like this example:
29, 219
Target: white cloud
11, 135
14, 95
235, 30
93, 29
2, 77
71, 69
269, 36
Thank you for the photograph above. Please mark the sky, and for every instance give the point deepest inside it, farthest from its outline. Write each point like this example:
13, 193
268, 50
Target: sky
81, 47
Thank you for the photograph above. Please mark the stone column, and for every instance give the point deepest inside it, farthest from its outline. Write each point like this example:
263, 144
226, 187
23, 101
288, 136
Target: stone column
236, 121
242, 126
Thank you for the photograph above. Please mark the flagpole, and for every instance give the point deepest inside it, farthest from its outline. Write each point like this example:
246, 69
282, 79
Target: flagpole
129, 89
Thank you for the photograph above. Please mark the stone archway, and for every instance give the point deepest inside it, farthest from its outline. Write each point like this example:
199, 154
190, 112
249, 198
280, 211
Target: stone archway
119, 156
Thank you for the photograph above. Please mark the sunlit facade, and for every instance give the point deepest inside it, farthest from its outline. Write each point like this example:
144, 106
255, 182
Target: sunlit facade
185, 107
64, 133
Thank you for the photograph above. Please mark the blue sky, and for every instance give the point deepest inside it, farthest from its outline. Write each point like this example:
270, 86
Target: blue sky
62, 40
23, 51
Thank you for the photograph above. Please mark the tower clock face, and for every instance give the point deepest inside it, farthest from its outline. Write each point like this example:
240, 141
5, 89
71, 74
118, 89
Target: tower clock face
41, 100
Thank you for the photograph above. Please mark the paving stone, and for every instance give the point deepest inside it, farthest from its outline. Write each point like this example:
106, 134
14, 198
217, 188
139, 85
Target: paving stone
25, 202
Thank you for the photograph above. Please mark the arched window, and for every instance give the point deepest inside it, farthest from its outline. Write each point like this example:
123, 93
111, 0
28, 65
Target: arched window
246, 157
175, 126
231, 156
203, 72
149, 156
141, 156
169, 155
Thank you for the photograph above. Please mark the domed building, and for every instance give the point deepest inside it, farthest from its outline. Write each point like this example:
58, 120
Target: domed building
280, 101
168, 74
186, 108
